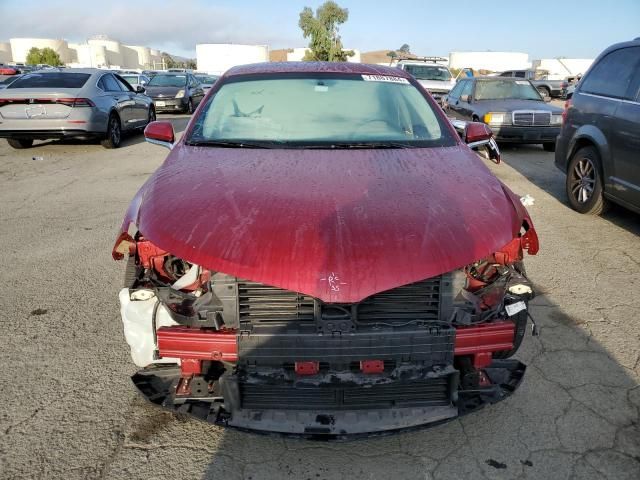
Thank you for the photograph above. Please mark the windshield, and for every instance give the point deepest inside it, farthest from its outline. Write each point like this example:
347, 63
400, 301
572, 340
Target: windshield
506, 89
130, 78
320, 111
167, 81
8, 80
51, 80
428, 72
206, 79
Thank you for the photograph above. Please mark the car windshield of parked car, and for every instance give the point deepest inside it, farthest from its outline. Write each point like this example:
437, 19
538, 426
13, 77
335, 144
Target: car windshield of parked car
51, 80
321, 111
206, 79
428, 72
506, 90
167, 81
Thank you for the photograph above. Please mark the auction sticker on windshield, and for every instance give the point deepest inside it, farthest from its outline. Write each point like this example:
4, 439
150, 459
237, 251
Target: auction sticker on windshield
384, 78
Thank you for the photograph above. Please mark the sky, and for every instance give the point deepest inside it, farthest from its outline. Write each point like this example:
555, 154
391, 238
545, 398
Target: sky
543, 29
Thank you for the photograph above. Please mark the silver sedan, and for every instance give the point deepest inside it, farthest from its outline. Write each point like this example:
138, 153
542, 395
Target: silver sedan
79, 103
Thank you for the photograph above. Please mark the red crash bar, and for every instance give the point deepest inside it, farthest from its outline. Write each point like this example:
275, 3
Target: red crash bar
197, 344
482, 340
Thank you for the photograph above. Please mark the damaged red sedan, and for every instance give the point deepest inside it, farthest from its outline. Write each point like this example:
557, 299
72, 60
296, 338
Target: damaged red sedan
322, 254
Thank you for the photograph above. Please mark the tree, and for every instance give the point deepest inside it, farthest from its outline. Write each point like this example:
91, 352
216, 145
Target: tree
46, 56
322, 29
392, 55
405, 48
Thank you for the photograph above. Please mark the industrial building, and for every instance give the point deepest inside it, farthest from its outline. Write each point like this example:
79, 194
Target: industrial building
216, 58
492, 61
558, 68
99, 51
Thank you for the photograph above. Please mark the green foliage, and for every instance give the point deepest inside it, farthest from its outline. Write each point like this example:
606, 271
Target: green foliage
322, 29
392, 56
168, 61
405, 48
46, 56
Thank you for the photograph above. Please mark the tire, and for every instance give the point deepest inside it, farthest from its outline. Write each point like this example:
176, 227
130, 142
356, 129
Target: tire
549, 146
20, 143
584, 182
189, 108
520, 319
114, 133
545, 92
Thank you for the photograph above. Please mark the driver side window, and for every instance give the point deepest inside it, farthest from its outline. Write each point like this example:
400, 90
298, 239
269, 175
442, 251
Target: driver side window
467, 89
455, 92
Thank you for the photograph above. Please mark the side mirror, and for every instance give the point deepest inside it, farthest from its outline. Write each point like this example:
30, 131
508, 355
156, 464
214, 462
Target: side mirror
160, 133
140, 89
465, 98
479, 137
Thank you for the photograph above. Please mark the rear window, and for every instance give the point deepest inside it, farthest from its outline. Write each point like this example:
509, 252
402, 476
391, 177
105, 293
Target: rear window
51, 80
612, 75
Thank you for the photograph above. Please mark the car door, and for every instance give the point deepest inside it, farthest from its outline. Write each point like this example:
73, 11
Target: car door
452, 97
625, 135
197, 92
139, 104
462, 107
121, 98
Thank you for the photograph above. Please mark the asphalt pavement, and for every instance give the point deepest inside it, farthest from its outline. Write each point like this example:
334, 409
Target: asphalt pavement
68, 409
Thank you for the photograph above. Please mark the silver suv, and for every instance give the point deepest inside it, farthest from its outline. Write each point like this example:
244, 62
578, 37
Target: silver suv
432, 75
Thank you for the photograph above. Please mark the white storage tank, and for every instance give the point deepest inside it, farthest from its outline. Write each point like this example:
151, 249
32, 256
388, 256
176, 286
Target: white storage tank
217, 58
20, 48
492, 61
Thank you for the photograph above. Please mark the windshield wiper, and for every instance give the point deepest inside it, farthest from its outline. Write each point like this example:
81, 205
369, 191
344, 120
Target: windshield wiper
372, 145
228, 144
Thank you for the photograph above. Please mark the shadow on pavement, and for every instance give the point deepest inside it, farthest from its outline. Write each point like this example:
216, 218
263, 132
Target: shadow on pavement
526, 159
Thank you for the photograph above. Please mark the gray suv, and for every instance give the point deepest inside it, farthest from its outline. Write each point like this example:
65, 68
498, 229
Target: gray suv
599, 145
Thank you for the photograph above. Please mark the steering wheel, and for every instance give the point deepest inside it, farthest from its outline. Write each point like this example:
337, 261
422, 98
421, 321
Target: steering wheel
371, 120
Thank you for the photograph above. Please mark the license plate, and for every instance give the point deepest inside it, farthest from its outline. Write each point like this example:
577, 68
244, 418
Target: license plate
160, 103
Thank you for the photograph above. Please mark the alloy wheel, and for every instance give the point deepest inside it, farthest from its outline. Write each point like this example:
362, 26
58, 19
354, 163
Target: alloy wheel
583, 180
115, 131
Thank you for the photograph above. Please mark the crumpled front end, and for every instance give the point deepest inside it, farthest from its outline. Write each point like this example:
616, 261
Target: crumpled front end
247, 355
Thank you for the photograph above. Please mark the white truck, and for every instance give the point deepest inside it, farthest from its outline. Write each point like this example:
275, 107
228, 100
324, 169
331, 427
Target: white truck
432, 75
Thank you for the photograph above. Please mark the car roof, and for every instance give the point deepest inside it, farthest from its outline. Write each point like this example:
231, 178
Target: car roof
631, 43
315, 67
90, 71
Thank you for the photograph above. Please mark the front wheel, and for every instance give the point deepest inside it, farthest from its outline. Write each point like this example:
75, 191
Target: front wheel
20, 143
114, 133
584, 185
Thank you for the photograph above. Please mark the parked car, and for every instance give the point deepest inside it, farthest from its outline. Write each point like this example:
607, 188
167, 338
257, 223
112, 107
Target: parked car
135, 79
513, 108
206, 81
297, 264
599, 144
539, 79
81, 103
8, 70
5, 81
432, 75
175, 92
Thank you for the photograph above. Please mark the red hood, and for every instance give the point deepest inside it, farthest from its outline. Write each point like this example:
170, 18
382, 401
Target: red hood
336, 225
